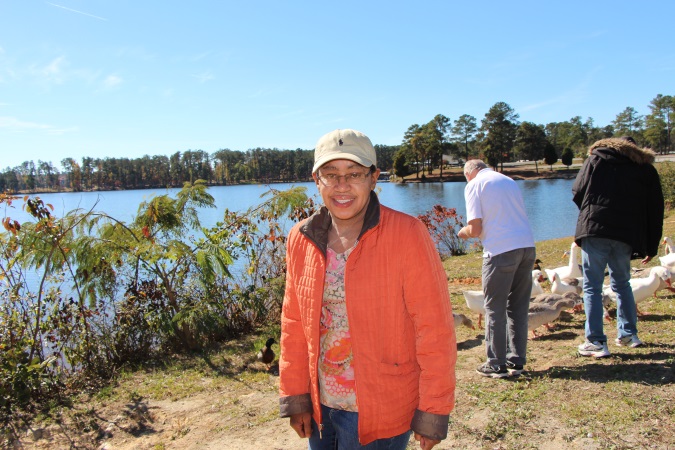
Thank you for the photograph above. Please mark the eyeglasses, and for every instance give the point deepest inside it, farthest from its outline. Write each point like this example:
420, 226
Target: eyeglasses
333, 179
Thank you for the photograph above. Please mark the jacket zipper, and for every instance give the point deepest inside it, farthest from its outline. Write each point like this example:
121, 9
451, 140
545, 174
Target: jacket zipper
356, 394
319, 355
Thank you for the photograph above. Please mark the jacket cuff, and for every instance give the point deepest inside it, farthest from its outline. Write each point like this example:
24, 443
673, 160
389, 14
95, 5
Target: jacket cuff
295, 404
432, 426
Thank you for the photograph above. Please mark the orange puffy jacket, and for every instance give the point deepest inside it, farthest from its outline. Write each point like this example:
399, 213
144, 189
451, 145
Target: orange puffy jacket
400, 320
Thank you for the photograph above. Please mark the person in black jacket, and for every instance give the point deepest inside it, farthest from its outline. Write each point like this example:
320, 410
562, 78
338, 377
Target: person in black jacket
620, 202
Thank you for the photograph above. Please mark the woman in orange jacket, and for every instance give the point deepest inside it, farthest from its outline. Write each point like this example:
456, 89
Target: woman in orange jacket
368, 344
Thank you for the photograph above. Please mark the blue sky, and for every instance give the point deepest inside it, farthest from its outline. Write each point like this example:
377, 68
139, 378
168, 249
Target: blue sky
123, 78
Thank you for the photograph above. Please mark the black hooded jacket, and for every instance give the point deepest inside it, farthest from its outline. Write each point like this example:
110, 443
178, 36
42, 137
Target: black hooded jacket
619, 196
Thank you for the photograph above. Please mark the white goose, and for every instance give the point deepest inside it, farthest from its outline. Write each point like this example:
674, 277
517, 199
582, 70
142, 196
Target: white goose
558, 286
668, 261
572, 269
644, 287
668, 245
475, 300
537, 278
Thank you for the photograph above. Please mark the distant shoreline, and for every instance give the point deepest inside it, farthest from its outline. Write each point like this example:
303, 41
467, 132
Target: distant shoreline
449, 176
517, 173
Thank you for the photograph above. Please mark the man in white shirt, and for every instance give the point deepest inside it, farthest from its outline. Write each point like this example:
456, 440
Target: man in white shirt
496, 215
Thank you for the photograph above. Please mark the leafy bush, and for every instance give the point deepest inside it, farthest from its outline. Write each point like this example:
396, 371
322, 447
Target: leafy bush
77, 326
27, 383
443, 225
667, 174
567, 157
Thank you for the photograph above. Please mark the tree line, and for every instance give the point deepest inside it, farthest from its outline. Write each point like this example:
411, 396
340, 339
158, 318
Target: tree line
500, 137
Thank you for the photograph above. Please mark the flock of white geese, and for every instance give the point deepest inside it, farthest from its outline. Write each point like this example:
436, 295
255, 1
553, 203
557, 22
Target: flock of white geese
566, 290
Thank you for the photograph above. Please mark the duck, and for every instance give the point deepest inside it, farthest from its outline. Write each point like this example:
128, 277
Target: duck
266, 354
643, 288
572, 269
551, 298
668, 261
537, 277
668, 245
537, 264
461, 319
542, 314
475, 301
558, 286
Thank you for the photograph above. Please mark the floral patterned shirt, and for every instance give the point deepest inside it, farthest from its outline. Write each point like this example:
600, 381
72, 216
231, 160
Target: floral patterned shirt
336, 373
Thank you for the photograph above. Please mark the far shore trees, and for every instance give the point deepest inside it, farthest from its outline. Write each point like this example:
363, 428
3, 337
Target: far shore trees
500, 138
550, 155
499, 125
530, 142
567, 157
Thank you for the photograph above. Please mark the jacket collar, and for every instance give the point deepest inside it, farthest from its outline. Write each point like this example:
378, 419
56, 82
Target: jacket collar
612, 147
316, 227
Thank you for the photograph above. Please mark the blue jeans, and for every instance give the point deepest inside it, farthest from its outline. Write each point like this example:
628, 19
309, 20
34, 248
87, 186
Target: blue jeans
596, 254
507, 285
341, 432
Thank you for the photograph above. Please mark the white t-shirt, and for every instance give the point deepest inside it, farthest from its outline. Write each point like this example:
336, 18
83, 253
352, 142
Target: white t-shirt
496, 199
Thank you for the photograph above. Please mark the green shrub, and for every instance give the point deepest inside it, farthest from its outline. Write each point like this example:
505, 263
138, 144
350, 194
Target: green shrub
131, 291
667, 173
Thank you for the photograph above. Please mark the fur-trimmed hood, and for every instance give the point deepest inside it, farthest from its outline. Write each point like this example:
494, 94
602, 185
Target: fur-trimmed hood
621, 146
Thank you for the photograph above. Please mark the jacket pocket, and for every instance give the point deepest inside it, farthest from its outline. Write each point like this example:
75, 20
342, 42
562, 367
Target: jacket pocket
397, 393
397, 368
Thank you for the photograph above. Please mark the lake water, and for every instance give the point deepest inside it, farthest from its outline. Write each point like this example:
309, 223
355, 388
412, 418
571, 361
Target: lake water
549, 203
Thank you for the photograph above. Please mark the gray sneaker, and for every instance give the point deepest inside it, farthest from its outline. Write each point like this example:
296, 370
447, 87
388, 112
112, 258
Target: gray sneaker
514, 369
596, 349
487, 370
629, 341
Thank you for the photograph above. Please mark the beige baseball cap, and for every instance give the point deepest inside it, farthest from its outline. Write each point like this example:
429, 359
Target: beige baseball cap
344, 144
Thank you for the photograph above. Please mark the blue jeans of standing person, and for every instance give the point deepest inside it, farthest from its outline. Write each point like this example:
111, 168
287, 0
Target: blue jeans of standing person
507, 285
596, 255
341, 432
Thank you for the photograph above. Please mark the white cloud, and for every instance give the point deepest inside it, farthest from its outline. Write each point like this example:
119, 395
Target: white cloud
61, 131
204, 77
111, 81
54, 67
14, 125
53, 72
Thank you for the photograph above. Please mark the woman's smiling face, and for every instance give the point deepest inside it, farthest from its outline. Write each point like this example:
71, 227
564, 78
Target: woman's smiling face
346, 200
